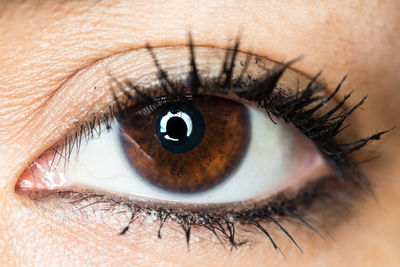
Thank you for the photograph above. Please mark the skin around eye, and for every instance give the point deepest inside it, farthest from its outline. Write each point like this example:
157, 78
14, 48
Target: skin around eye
46, 42
255, 193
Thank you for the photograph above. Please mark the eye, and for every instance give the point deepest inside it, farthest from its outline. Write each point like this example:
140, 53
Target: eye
222, 129
186, 148
195, 149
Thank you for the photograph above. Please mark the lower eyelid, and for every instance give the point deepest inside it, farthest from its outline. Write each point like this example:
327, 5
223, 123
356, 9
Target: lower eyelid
121, 214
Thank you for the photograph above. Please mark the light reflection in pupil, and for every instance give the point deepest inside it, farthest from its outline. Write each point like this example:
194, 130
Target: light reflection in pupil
180, 127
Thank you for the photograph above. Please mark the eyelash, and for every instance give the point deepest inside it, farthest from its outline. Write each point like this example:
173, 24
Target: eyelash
298, 109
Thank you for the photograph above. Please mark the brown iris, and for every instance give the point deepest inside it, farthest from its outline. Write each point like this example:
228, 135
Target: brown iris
186, 146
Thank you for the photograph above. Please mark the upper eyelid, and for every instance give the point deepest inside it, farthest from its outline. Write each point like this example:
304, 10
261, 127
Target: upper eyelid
83, 102
65, 89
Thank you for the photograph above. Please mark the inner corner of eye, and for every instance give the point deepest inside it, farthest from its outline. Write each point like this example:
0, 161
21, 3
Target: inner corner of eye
195, 150
44, 173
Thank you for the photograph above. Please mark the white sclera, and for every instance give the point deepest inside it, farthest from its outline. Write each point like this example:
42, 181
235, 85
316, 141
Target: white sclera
103, 165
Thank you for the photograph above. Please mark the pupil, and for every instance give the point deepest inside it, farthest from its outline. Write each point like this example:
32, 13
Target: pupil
180, 127
176, 128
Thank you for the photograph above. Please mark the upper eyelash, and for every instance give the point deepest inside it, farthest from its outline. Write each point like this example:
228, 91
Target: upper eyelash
297, 109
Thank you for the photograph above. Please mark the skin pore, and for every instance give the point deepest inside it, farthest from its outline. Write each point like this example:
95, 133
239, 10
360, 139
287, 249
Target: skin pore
45, 43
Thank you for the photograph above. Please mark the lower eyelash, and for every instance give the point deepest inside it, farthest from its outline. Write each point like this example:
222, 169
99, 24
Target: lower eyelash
298, 109
223, 222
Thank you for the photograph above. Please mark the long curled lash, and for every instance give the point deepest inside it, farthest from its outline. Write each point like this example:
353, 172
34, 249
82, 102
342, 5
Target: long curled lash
299, 109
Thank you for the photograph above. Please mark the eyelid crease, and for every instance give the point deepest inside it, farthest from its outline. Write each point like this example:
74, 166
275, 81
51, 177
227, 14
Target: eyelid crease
96, 61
